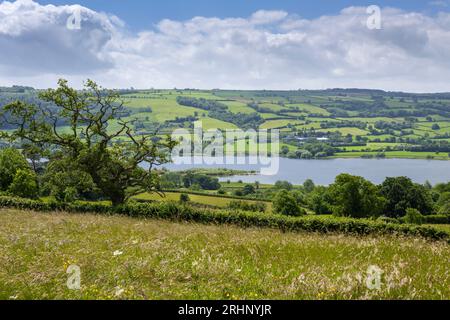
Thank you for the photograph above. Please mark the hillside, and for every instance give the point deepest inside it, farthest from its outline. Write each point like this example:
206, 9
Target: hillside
314, 124
123, 258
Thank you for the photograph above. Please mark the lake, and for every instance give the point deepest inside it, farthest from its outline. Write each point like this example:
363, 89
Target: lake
323, 172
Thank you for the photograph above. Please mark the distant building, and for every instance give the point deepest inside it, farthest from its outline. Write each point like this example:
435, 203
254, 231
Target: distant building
313, 138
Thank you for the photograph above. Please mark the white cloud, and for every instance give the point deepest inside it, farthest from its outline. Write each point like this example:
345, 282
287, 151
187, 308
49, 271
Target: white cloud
269, 49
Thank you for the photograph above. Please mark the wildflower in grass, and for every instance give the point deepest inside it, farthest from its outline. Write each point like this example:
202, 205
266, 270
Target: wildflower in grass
119, 291
117, 253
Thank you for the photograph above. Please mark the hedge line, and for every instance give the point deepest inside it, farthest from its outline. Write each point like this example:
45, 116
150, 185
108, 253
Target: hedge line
213, 195
437, 219
177, 212
433, 219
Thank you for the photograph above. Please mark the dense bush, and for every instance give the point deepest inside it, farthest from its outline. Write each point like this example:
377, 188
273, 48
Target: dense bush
177, 212
64, 180
24, 184
11, 160
413, 216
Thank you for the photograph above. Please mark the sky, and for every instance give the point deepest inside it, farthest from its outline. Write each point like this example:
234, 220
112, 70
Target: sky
233, 44
141, 14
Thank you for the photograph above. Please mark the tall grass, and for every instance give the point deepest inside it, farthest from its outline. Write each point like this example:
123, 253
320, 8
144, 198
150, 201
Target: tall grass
129, 258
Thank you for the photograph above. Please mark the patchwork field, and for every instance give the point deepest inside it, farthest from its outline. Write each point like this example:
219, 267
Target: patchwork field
411, 125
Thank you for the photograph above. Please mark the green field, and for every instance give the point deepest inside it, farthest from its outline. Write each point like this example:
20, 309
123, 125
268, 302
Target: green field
220, 202
373, 146
126, 258
346, 131
396, 155
276, 124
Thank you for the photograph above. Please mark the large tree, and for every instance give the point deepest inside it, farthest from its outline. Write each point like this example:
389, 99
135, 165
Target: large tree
94, 121
401, 194
356, 197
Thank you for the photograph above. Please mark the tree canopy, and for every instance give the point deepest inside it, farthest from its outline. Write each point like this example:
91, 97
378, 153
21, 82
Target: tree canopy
355, 197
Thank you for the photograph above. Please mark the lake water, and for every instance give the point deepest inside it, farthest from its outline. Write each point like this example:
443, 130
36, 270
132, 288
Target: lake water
323, 172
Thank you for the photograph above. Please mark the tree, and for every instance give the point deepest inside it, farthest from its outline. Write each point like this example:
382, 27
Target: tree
319, 201
248, 190
90, 143
443, 203
11, 160
283, 185
184, 198
309, 186
284, 203
355, 197
401, 193
24, 184
436, 127
34, 154
204, 182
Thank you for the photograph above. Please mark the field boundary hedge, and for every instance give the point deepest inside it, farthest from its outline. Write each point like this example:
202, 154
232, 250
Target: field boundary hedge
432, 219
178, 212
212, 195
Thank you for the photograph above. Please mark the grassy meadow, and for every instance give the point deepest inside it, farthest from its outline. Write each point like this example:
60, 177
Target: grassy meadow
214, 201
128, 258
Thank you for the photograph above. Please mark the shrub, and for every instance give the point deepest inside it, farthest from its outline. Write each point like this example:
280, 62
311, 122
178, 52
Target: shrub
11, 160
238, 193
66, 182
413, 216
24, 184
70, 194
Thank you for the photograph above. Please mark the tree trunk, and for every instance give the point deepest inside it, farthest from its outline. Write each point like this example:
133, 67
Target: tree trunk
117, 198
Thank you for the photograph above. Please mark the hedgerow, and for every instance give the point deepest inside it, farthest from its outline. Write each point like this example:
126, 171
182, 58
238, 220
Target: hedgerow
178, 212
432, 219
437, 219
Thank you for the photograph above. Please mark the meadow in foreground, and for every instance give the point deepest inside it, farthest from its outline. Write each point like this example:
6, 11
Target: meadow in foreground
128, 258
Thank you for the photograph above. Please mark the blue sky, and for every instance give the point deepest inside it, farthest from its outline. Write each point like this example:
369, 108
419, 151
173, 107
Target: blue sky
236, 44
143, 14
